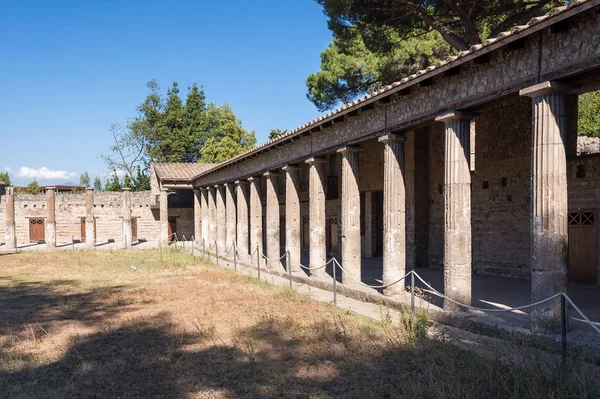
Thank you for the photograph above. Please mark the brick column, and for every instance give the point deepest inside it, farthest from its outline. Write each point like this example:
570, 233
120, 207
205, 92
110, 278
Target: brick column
292, 215
11, 234
164, 217
394, 212
212, 217
230, 215
90, 237
549, 206
243, 197
256, 230
51, 219
350, 214
273, 244
204, 201
197, 216
221, 219
457, 208
317, 221
127, 232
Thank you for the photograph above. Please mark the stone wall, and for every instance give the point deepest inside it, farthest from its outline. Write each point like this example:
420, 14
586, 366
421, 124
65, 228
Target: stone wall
70, 209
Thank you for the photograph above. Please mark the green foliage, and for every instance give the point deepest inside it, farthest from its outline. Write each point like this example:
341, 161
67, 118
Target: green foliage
4, 178
227, 138
142, 181
33, 187
113, 184
97, 184
275, 133
377, 42
84, 179
588, 122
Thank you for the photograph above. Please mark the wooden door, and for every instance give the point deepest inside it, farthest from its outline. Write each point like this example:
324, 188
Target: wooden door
172, 228
583, 247
134, 229
305, 232
37, 231
333, 233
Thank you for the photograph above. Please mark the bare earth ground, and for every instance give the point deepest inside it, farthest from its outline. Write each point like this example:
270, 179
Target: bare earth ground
84, 324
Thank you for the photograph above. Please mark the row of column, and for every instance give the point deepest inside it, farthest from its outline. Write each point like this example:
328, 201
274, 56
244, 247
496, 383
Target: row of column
50, 222
548, 210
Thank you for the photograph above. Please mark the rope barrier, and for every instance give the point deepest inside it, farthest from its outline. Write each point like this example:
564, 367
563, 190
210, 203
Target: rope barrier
371, 286
311, 268
595, 327
273, 260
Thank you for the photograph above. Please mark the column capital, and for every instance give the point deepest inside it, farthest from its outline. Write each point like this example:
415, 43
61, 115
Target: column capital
241, 182
126, 189
270, 173
315, 160
254, 179
89, 189
203, 189
392, 138
290, 168
350, 148
10, 190
548, 87
456, 115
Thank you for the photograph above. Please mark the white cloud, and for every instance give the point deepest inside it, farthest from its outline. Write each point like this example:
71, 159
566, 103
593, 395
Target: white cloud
42, 173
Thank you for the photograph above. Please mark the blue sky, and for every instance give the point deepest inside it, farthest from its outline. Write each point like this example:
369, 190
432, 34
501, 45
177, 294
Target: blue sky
68, 69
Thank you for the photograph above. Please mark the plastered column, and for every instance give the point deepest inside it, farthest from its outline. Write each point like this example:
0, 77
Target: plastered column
51, 218
292, 215
212, 217
256, 230
164, 218
457, 208
243, 200
197, 216
221, 219
273, 244
317, 221
394, 213
350, 215
409, 184
11, 234
90, 238
204, 201
126, 208
549, 206
367, 240
230, 215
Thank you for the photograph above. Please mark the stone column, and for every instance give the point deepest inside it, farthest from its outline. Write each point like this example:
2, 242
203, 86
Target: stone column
317, 222
409, 183
212, 217
197, 216
221, 219
457, 208
90, 238
549, 207
273, 244
242, 217
292, 215
394, 213
367, 238
127, 232
230, 215
11, 234
51, 219
350, 215
256, 232
164, 218
205, 216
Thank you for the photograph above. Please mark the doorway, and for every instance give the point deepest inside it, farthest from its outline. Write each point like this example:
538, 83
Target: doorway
172, 228
583, 247
83, 229
37, 231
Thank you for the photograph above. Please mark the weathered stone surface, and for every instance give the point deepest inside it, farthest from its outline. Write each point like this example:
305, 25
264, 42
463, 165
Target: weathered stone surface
212, 218
317, 222
256, 214
221, 220
243, 201
230, 215
50, 224
549, 224
457, 210
588, 145
90, 236
205, 207
197, 217
273, 244
11, 234
127, 232
292, 215
164, 217
350, 215
394, 213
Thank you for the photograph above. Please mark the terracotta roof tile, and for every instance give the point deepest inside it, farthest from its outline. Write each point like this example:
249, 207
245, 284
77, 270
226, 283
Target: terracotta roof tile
180, 171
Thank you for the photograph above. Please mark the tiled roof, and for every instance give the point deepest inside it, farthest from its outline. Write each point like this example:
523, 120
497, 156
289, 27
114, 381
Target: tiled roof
407, 81
180, 171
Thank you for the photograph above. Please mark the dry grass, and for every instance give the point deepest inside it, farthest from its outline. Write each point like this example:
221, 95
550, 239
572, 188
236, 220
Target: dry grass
83, 324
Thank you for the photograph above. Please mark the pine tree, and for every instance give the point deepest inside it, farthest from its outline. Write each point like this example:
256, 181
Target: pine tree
97, 184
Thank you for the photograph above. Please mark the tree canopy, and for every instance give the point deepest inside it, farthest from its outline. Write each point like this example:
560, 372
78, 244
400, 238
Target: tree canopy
84, 179
377, 42
167, 129
274, 133
588, 121
4, 178
33, 187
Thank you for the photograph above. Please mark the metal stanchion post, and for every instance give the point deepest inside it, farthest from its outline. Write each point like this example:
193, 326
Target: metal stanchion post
334, 283
563, 326
412, 291
289, 266
258, 262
